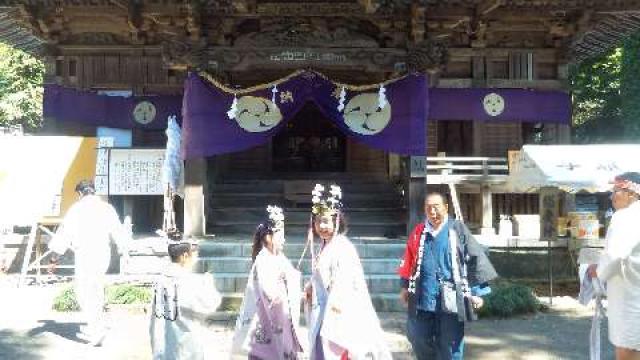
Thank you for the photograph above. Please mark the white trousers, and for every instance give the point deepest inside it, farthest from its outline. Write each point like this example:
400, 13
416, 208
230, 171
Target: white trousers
89, 287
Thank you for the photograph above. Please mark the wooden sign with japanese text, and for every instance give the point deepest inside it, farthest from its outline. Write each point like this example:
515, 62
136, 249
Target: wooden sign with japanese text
135, 171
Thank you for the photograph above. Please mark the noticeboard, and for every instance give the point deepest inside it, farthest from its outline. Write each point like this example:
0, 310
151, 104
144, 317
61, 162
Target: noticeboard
135, 171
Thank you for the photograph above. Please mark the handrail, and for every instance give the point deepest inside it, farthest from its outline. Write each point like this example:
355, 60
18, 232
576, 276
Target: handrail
468, 167
465, 159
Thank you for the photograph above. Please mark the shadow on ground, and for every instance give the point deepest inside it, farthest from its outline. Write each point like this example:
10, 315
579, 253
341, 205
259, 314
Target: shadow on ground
67, 330
16, 345
545, 336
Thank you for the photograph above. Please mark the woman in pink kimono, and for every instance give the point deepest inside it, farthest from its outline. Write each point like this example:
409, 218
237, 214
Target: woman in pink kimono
267, 326
342, 321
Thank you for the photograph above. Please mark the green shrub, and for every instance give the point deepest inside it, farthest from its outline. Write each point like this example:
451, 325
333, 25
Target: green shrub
128, 294
115, 294
508, 299
66, 300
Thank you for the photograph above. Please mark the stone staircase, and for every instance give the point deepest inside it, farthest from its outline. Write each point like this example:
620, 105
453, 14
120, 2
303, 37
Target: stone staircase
229, 259
373, 207
375, 215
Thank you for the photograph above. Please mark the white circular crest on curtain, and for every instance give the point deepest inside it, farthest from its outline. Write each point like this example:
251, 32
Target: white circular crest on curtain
493, 104
364, 116
144, 112
257, 114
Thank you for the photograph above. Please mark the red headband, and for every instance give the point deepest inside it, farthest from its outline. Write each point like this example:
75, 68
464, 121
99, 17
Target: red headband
624, 184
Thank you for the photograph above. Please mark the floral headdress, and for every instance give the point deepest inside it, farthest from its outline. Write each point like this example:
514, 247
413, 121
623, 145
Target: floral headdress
326, 203
276, 218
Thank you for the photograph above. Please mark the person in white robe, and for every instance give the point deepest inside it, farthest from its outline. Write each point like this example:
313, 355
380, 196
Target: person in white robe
182, 302
619, 268
342, 321
268, 323
88, 229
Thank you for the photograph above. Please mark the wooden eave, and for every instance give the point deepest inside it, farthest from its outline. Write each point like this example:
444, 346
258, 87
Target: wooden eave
15, 33
609, 21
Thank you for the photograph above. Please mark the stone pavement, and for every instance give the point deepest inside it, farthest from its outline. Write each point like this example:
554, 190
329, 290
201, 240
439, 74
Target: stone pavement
30, 330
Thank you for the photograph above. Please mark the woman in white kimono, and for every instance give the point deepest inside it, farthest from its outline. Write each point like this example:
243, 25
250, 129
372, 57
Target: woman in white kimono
619, 267
182, 302
267, 326
342, 321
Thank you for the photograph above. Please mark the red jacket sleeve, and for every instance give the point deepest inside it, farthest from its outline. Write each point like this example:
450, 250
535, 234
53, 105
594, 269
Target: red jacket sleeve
408, 264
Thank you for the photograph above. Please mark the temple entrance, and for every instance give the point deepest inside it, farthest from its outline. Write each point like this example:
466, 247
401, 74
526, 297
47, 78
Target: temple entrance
309, 143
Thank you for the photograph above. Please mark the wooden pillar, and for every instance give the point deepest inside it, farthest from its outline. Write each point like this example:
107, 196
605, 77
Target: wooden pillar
478, 144
395, 166
487, 210
195, 197
416, 190
549, 209
416, 176
479, 78
563, 134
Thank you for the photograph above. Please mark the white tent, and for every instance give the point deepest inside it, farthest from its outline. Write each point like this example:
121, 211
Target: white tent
571, 168
32, 169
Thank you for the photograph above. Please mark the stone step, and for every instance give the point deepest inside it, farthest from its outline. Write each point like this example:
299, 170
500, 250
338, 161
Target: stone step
293, 251
382, 302
255, 199
377, 284
389, 230
301, 216
312, 177
278, 186
236, 265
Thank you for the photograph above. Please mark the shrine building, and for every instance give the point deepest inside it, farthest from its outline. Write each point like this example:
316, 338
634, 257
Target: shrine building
274, 96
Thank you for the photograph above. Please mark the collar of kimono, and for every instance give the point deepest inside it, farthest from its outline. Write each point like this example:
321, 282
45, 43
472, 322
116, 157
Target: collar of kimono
624, 184
432, 230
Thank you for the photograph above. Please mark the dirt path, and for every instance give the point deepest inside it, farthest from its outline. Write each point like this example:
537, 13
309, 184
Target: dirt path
29, 330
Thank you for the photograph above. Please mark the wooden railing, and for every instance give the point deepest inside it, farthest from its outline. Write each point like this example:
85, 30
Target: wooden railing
443, 170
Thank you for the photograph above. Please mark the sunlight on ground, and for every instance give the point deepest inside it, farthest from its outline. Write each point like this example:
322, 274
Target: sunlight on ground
37, 332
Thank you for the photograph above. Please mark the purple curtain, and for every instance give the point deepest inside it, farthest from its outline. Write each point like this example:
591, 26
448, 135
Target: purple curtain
87, 107
397, 127
500, 105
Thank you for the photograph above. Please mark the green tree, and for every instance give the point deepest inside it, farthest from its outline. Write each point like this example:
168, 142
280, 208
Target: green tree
595, 86
606, 95
21, 91
630, 89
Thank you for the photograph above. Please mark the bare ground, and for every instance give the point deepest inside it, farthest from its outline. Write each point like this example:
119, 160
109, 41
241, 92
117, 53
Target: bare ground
30, 330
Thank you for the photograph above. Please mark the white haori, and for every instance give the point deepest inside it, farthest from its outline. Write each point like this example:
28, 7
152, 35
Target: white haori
619, 267
342, 312
88, 229
182, 302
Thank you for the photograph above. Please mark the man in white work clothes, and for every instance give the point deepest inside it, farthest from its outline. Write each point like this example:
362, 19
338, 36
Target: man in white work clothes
88, 229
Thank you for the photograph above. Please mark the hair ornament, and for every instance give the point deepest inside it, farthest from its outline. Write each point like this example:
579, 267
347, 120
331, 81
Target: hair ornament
276, 218
326, 203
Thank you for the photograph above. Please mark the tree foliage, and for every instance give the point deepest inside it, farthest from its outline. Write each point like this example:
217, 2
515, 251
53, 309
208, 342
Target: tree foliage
21, 91
606, 94
630, 89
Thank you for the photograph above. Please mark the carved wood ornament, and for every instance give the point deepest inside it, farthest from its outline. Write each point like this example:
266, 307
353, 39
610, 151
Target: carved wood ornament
381, 36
